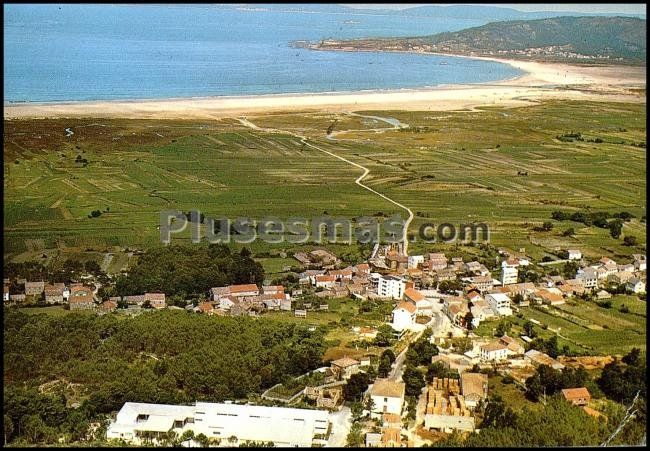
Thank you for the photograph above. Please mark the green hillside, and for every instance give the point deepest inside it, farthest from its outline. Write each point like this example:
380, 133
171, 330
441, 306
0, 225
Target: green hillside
593, 36
575, 39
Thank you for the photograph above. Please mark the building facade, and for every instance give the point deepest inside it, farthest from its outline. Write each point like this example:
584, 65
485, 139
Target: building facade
509, 271
390, 287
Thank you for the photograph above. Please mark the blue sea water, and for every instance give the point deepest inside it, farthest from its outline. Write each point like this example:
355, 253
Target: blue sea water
102, 52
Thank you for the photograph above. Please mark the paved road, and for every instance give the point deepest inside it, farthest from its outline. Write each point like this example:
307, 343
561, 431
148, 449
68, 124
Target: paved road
341, 423
366, 171
398, 365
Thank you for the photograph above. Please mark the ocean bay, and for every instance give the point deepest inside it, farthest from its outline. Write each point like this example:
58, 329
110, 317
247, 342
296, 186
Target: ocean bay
103, 52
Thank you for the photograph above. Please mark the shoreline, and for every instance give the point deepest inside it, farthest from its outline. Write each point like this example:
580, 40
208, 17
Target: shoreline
538, 81
286, 94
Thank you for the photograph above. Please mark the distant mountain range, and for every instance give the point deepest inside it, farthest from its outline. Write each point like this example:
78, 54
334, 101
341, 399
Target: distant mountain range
477, 12
493, 13
579, 39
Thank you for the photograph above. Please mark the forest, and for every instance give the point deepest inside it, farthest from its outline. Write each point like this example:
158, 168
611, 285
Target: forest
63, 373
189, 270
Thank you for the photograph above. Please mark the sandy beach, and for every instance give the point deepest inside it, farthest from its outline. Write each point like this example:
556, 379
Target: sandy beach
540, 81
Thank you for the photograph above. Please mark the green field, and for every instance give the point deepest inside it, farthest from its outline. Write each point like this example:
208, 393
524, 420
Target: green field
605, 331
585, 327
454, 167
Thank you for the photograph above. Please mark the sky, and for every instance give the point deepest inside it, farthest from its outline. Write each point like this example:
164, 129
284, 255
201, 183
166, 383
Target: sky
622, 8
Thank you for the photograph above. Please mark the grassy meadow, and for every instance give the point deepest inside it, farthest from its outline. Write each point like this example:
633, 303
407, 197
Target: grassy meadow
455, 167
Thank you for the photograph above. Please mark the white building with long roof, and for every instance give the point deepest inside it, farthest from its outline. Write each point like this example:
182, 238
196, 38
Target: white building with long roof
138, 422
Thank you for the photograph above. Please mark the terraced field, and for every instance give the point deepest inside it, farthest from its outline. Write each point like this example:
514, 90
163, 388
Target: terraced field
599, 329
504, 167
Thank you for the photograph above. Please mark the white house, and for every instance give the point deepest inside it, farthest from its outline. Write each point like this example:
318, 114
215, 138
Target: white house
635, 285
226, 303
415, 260
481, 311
423, 306
387, 397
280, 425
509, 271
390, 287
573, 254
500, 303
404, 316
324, 281
494, 351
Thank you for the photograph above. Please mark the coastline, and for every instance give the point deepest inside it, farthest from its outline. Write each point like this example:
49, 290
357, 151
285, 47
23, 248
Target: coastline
538, 81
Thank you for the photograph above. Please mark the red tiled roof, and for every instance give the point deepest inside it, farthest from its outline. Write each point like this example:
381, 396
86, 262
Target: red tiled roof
413, 294
205, 307
549, 296
575, 393
406, 306
270, 296
243, 288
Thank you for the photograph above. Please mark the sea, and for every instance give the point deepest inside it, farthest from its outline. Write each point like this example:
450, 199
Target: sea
73, 52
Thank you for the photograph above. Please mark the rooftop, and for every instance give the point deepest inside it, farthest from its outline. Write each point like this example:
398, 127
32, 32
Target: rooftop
493, 346
408, 306
575, 393
413, 294
243, 288
473, 383
345, 362
388, 388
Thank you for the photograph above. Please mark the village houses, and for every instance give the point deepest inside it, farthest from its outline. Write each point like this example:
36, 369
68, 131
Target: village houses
387, 397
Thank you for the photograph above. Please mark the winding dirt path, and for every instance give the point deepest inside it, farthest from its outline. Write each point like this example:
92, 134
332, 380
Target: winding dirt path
395, 124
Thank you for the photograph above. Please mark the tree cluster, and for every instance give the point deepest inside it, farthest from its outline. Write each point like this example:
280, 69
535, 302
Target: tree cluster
621, 380
158, 357
558, 423
547, 381
189, 270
